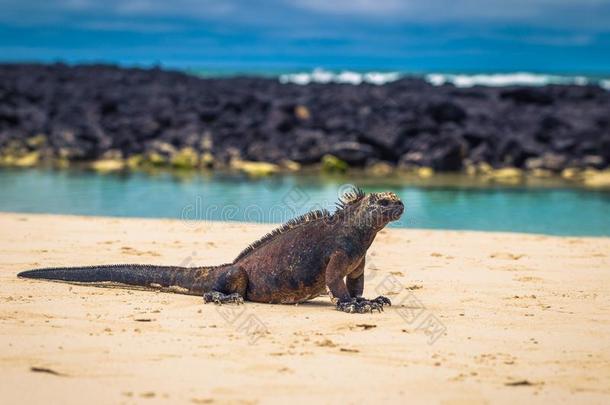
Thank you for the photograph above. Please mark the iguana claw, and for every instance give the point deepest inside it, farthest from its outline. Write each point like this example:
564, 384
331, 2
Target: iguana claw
381, 300
219, 298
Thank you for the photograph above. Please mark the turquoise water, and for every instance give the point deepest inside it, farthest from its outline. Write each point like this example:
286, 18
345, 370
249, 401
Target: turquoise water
557, 211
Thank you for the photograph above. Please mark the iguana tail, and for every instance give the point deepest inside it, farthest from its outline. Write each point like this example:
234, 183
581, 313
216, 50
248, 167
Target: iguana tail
183, 280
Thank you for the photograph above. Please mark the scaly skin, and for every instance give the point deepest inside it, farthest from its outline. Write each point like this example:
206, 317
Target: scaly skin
295, 263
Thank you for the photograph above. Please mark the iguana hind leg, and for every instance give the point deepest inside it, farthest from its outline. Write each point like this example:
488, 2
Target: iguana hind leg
229, 286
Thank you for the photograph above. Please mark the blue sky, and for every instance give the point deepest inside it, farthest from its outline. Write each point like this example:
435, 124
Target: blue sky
430, 35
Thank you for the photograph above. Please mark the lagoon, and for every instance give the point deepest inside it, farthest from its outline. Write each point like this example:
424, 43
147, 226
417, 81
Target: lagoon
553, 210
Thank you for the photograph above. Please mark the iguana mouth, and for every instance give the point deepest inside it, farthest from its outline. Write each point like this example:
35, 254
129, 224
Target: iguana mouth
397, 210
393, 211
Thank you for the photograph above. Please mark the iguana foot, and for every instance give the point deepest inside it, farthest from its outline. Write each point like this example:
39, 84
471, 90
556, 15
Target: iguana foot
359, 305
219, 298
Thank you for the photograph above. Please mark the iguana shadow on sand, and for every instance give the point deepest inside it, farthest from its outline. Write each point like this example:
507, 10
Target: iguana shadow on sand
292, 264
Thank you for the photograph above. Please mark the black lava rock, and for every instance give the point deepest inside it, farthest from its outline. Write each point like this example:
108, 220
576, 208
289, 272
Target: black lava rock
85, 112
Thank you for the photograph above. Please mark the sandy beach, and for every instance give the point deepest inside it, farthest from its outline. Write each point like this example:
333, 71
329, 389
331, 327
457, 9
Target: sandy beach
477, 318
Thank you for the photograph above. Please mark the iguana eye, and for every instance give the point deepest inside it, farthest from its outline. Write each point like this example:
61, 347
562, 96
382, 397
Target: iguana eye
384, 202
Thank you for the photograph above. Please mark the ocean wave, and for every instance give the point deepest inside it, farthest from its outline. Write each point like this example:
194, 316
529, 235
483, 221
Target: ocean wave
438, 79
503, 79
346, 76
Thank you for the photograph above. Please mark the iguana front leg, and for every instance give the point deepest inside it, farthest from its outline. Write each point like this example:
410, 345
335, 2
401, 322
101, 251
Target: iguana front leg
355, 281
342, 293
355, 286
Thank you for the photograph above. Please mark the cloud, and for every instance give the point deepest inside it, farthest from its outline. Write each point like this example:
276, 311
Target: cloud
354, 7
561, 40
583, 14
32, 12
130, 26
201, 8
306, 32
587, 14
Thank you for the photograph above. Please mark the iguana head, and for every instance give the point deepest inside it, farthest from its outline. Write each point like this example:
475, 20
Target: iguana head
383, 207
372, 210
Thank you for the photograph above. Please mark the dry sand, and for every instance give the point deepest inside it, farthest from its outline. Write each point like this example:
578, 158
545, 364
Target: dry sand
486, 317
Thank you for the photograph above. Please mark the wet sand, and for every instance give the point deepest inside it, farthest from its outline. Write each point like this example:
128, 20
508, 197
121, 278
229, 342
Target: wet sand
478, 318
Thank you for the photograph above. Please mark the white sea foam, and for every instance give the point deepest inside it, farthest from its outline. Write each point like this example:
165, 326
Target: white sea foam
503, 79
381, 78
346, 76
438, 79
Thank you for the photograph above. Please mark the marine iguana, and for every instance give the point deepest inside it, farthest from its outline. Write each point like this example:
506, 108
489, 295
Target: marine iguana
292, 264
